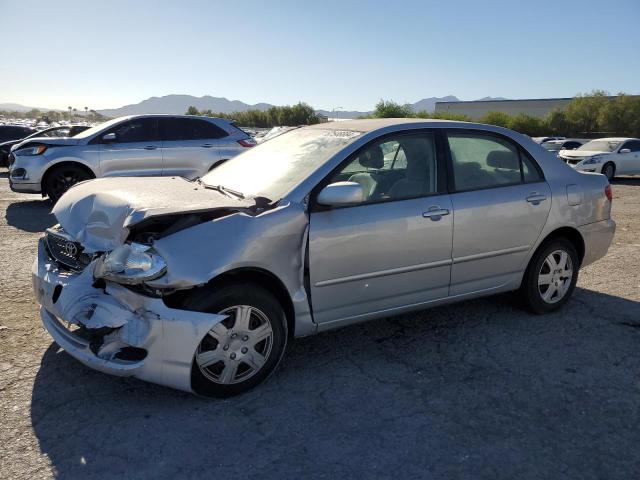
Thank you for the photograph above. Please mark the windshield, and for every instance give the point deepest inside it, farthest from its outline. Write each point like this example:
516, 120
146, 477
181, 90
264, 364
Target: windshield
93, 130
274, 168
600, 146
552, 147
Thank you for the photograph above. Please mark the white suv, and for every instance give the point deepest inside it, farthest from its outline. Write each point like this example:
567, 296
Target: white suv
141, 145
609, 156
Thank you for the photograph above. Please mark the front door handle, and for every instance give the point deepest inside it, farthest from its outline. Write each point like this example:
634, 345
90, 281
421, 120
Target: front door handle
535, 198
435, 213
150, 147
206, 145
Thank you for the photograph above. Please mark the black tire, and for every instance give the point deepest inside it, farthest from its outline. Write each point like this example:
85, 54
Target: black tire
533, 294
609, 170
60, 179
218, 300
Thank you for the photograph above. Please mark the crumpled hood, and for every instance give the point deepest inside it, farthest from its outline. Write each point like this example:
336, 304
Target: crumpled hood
97, 213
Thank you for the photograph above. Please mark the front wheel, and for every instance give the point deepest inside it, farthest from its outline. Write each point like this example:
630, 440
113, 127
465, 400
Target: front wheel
62, 178
551, 277
244, 349
609, 170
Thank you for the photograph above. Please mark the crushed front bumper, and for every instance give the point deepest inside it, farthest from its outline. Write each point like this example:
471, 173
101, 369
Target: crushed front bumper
119, 320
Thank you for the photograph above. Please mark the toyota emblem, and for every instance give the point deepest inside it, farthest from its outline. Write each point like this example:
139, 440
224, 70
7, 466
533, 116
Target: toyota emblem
70, 249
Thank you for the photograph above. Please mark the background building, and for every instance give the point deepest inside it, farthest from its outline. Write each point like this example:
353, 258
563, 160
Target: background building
537, 107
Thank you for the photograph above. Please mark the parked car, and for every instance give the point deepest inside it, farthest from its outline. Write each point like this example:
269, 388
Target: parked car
559, 145
199, 285
609, 156
13, 132
541, 140
142, 145
52, 132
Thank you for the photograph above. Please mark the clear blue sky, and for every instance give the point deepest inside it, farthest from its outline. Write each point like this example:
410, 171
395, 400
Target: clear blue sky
327, 53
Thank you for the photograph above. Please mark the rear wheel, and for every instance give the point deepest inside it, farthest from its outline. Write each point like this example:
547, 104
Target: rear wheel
62, 178
550, 277
609, 170
244, 349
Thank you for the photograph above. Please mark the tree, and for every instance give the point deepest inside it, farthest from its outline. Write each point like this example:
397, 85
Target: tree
584, 111
527, 124
390, 109
499, 119
557, 124
192, 111
621, 116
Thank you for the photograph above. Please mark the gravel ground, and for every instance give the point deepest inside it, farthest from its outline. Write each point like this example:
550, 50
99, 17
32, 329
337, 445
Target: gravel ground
475, 390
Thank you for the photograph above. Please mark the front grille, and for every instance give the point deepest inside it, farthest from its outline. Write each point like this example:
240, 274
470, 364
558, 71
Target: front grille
572, 161
67, 252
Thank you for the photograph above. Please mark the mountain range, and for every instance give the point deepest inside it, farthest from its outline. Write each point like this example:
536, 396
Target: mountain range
178, 104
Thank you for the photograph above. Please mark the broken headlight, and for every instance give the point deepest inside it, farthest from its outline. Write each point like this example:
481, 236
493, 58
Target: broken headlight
131, 263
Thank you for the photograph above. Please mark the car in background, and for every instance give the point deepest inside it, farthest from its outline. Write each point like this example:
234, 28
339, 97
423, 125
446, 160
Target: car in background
609, 156
140, 145
200, 285
15, 132
565, 144
542, 140
52, 132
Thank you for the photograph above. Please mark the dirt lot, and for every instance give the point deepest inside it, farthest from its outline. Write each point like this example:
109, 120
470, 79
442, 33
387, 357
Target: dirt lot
476, 390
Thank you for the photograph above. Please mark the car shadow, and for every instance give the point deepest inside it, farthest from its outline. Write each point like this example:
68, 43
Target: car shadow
634, 181
453, 391
30, 215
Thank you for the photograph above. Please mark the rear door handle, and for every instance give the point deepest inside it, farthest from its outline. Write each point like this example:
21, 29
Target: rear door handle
206, 145
535, 198
435, 213
150, 147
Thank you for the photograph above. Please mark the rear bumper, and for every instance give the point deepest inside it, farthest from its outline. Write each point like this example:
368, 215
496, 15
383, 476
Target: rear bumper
597, 239
169, 337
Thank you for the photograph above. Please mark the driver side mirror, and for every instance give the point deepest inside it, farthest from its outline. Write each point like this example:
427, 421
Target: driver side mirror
624, 150
109, 137
341, 194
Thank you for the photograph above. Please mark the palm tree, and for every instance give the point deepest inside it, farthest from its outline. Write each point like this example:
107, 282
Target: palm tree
86, 110
70, 108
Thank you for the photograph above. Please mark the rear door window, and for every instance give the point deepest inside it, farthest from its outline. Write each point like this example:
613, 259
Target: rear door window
191, 129
482, 160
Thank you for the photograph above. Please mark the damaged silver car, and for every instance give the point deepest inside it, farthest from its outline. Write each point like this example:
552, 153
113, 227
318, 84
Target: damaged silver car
199, 285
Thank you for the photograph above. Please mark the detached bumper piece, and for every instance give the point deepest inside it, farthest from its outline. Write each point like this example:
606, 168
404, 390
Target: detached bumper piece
115, 330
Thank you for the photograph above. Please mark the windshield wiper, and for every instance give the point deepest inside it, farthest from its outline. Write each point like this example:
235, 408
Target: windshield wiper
222, 189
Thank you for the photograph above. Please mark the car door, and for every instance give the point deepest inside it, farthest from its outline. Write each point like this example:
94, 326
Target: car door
628, 162
190, 146
391, 251
131, 148
500, 203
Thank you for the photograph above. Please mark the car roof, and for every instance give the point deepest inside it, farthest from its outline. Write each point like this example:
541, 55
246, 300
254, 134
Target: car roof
371, 124
171, 115
613, 139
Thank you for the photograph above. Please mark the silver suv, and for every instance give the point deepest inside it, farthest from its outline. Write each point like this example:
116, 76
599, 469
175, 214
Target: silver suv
141, 145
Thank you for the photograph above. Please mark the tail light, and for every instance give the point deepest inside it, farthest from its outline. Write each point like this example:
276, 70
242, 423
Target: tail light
249, 142
608, 191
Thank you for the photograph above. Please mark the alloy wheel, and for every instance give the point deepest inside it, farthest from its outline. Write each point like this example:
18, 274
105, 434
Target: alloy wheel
236, 348
555, 276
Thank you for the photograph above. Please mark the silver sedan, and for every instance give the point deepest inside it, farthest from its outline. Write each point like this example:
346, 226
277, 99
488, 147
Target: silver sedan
199, 285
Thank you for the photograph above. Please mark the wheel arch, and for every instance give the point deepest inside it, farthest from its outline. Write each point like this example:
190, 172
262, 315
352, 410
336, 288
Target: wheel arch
259, 276
217, 163
569, 233
64, 163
